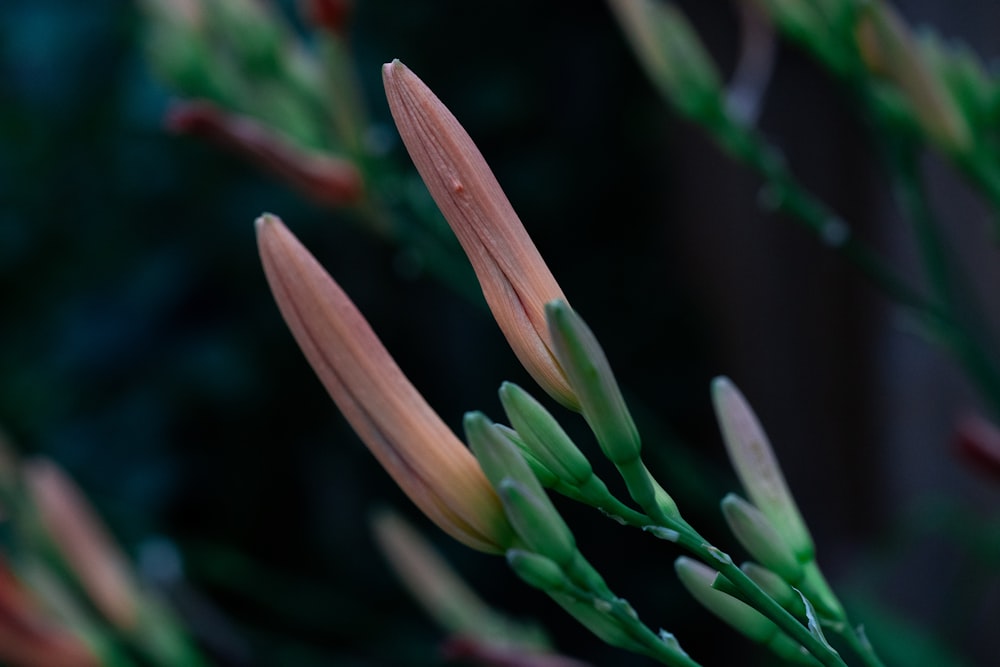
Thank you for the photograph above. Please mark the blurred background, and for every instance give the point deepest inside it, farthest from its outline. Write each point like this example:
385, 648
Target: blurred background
141, 349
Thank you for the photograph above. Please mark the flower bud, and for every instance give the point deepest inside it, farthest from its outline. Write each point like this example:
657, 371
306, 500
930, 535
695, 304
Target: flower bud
544, 437
755, 464
515, 280
407, 437
593, 382
759, 537
84, 544
324, 179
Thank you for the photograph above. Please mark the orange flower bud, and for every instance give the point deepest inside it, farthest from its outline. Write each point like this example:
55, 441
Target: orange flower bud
324, 179
407, 437
515, 280
84, 543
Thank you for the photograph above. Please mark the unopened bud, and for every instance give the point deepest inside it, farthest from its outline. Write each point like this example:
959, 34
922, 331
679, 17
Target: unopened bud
757, 467
759, 537
544, 437
593, 382
323, 178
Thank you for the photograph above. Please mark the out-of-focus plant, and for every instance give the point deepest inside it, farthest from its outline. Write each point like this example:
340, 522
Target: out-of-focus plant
915, 92
255, 86
496, 502
290, 104
69, 596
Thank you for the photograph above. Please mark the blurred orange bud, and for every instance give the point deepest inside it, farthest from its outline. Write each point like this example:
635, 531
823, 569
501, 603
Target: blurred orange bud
28, 637
515, 280
407, 437
83, 542
888, 49
331, 15
324, 179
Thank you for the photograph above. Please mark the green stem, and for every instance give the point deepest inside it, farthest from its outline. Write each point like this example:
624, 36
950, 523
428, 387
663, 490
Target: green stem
859, 644
944, 318
760, 600
785, 194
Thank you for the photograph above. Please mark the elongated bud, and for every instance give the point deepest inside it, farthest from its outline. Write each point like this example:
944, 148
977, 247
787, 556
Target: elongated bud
529, 510
324, 179
759, 537
84, 543
698, 579
755, 464
888, 48
594, 383
538, 571
415, 447
515, 280
545, 477
770, 583
499, 458
544, 437
671, 53
537, 522
777, 587
439, 589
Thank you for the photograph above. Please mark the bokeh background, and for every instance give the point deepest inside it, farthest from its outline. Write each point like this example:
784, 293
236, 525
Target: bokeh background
141, 349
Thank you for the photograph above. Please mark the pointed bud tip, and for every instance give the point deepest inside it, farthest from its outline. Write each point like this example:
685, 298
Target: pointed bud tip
721, 385
265, 219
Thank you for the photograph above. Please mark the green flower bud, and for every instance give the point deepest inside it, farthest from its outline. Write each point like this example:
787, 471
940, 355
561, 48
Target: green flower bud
671, 53
697, 579
538, 571
755, 464
597, 618
537, 522
546, 477
759, 537
593, 382
777, 587
497, 455
544, 437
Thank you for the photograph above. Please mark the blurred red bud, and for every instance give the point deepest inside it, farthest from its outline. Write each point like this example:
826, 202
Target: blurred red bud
331, 15
324, 179
977, 440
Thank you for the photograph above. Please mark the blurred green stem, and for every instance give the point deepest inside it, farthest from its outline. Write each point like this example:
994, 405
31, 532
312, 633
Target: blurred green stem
944, 317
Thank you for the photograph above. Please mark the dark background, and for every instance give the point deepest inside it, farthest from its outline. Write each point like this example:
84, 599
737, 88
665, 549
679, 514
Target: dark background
141, 349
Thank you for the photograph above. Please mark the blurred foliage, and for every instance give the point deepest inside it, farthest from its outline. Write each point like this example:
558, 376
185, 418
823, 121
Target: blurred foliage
141, 348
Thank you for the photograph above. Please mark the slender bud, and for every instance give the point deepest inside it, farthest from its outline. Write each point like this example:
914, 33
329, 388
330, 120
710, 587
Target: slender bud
593, 382
415, 447
324, 179
888, 48
770, 583
84, 543
515, 280
439, 589
759, 537
671, 53
544, 437
534, 518
538, 571
755, 464
537, 522
698, 579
